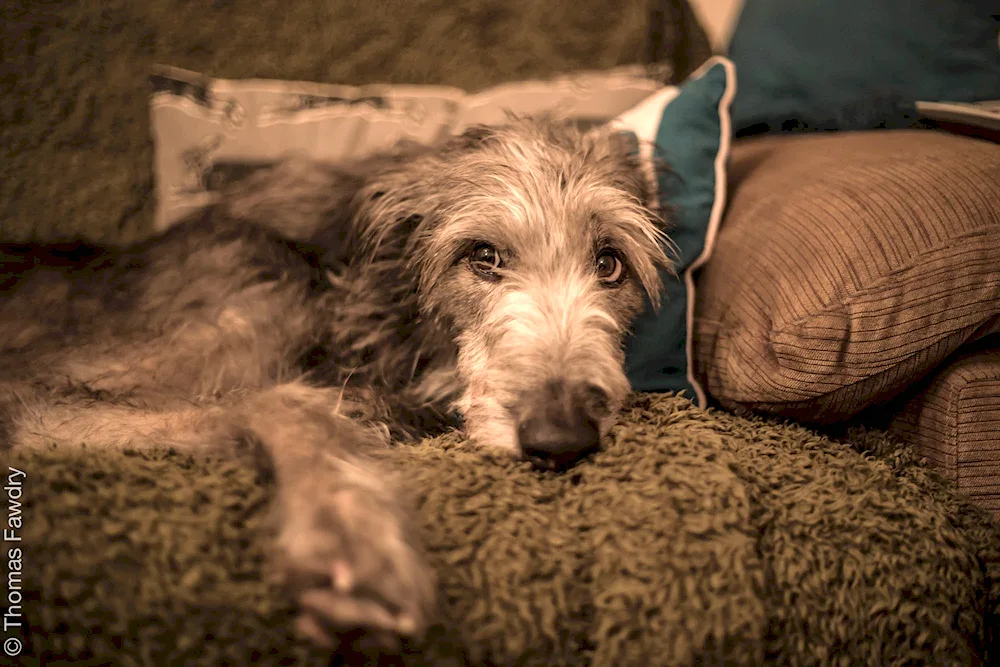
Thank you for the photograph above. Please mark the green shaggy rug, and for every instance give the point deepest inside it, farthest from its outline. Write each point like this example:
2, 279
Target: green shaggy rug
694, 538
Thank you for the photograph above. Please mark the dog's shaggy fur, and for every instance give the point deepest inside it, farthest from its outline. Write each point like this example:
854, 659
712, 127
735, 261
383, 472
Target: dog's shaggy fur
315, 312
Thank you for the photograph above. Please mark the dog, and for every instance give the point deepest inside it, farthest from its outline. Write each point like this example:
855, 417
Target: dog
315, 312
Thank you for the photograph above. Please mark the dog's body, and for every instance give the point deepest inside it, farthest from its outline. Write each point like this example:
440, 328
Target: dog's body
316, 312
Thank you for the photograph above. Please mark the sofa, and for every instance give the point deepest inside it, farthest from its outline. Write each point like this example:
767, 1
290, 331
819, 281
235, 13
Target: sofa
776, 526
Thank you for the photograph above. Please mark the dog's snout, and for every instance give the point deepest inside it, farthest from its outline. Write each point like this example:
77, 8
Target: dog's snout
551, 444
562, 425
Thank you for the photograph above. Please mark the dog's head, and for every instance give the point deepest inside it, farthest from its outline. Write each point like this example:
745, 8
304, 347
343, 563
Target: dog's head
534, 245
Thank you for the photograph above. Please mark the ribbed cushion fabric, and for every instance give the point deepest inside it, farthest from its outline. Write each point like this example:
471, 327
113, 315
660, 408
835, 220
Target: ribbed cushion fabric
955, 423
848, 266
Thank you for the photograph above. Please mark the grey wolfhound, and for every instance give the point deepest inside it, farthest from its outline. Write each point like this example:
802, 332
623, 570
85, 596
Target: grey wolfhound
317, 311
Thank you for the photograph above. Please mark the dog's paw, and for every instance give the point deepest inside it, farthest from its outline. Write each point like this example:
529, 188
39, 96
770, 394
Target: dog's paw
356, 573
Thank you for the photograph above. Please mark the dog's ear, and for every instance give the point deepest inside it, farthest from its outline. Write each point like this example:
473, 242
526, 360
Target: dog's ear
634, 169
475, 136
604, 143
295, 198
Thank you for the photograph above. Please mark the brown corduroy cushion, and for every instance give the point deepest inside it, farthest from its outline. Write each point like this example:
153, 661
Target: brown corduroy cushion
955, 423
848, 266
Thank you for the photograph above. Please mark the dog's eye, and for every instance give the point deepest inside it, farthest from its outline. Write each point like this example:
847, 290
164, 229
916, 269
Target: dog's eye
610, 268
485, 260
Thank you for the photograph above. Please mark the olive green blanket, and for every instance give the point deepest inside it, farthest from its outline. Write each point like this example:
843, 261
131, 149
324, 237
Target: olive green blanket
696, 537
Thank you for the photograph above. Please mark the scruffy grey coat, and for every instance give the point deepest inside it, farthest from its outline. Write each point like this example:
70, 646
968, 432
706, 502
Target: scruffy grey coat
316, 311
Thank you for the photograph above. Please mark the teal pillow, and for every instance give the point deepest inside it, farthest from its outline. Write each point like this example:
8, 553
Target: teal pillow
689, 128
841, 61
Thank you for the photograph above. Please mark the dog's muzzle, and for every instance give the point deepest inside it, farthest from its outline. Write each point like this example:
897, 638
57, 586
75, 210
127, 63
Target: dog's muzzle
560, 425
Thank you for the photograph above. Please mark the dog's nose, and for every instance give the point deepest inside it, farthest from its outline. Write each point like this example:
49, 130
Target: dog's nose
562, 425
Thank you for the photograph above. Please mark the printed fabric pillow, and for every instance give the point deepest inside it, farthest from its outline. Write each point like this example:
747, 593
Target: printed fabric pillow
210, 132
857, 64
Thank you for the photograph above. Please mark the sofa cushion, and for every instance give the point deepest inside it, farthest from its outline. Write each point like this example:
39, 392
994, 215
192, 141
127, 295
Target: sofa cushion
848, 266
688, 128
799, 60
953, 422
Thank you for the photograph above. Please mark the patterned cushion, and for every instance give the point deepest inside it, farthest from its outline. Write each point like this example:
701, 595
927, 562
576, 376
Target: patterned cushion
955, 421
849, 265
210, 132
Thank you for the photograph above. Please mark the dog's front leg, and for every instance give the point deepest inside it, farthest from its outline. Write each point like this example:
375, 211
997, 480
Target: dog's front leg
345, 545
